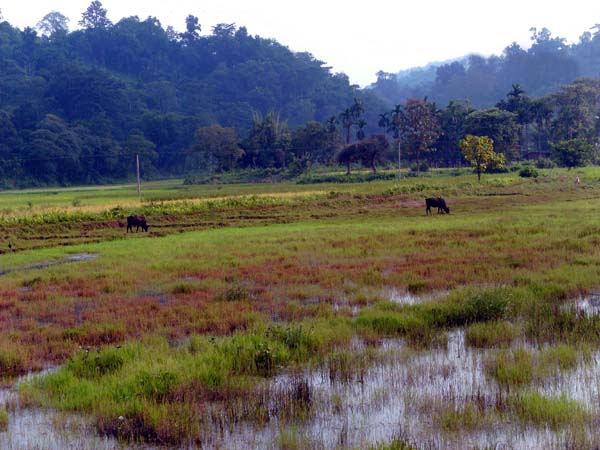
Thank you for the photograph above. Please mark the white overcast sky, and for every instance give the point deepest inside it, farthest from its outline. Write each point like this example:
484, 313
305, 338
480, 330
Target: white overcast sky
355, 37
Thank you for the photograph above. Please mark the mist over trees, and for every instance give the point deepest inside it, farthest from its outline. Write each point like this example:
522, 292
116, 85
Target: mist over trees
548, 64
77, 106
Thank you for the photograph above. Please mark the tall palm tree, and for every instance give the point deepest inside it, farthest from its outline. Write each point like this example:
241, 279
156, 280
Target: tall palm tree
360, 134
394, 128
516, 92
347, 120
521, 105
331, 124
384, 122
350, 117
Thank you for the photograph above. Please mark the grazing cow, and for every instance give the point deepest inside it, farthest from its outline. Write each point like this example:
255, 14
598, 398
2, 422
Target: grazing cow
438, 203
136, 221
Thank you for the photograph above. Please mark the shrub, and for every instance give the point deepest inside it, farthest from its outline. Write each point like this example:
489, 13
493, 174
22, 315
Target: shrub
528, 172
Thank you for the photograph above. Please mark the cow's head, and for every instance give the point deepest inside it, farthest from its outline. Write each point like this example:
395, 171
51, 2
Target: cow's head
447, 210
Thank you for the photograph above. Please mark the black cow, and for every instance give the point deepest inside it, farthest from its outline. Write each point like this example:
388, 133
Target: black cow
438, 203
136, 221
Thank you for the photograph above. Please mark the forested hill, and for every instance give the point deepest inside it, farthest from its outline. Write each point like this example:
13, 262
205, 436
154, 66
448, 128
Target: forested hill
549, 63
95, 95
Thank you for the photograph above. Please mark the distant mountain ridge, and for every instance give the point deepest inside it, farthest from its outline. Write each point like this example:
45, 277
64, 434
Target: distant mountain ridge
415, 76
549, 63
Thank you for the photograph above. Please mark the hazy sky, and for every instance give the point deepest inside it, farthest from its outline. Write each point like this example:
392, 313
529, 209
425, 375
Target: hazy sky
358, 38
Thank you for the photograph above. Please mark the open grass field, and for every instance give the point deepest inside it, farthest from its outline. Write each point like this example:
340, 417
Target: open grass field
311, 316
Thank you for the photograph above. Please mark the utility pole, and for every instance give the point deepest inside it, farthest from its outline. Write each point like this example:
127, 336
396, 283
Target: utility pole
139, 184
399, 162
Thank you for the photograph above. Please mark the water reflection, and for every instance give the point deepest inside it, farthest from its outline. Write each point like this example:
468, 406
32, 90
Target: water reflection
33, 429
398, 393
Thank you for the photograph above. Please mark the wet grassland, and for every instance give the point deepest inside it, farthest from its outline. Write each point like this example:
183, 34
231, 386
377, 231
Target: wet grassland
326, 317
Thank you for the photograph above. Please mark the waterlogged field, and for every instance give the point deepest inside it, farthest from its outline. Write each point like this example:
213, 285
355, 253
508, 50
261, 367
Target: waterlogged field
316, 316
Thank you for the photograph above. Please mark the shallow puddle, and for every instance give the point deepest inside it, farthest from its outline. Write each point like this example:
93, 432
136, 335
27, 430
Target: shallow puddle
589, 305
79, 257
402, 297
33, 429
399, 393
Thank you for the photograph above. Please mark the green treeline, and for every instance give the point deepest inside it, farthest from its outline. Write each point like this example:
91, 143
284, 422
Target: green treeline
76, 107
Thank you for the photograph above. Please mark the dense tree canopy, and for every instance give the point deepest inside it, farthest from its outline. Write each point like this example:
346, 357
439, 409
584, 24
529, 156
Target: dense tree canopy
218, 146
76, 107
419, 127
108, 82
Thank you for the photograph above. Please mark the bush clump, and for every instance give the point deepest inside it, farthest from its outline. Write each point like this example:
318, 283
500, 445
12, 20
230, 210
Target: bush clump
528, 172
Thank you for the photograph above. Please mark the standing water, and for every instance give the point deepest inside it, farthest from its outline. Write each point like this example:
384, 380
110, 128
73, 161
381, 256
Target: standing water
44, 429
401, 393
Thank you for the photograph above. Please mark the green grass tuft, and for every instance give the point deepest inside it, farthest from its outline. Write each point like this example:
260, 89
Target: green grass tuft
3, 420
491, 334
555, 412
